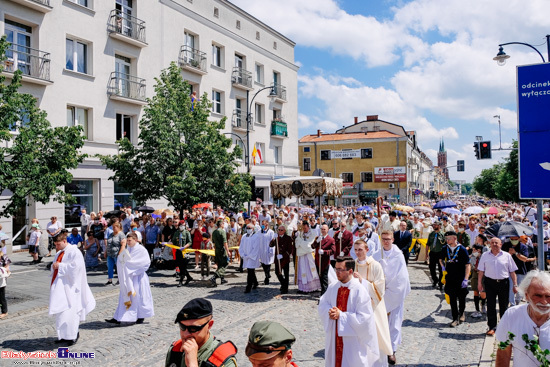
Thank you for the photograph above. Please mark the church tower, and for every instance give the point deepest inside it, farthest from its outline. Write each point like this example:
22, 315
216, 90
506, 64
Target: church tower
442, 159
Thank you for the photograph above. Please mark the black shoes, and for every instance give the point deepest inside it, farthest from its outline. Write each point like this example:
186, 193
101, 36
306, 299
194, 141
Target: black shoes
189, 280
113, 321
266, 281
213, 281
223, 281
109, 282
255, 285
139, 321
247, 290
68, 341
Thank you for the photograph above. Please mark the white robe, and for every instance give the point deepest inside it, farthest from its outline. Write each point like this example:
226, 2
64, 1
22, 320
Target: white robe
356, 326
266, 253
375, 283
307, 272
135, 300
373, 242
397, 288
249, 250
70, 296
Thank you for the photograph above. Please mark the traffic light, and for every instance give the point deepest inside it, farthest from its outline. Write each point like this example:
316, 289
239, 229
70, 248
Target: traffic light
485, 150
460, 166
476, 149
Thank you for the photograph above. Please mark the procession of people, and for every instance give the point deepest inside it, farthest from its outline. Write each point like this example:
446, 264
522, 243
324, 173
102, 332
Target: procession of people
354, 259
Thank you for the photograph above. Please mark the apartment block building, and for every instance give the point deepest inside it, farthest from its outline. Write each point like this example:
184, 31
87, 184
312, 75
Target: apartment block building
93, 63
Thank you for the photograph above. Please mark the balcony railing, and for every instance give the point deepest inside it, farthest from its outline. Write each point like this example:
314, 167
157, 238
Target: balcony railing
42, 6
193, 59
127, 86
279, 128
280, 91
30, 61
241, 77
43, 2
126, 25
239, 120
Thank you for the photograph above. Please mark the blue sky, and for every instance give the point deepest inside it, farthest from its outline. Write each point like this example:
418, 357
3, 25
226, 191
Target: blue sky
425, 64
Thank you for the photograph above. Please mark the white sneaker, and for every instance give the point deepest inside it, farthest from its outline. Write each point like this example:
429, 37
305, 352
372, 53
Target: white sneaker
477, 315
197, 267
483, 309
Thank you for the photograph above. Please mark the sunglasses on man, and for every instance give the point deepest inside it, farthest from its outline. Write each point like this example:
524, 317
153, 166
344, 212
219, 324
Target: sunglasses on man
192, 328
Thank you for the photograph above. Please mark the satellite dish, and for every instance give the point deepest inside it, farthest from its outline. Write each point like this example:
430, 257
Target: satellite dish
319, 172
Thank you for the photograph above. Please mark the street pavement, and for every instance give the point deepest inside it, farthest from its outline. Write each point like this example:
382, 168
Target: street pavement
427, 338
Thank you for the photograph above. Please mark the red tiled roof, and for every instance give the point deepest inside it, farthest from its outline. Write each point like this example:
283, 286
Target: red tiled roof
349, 136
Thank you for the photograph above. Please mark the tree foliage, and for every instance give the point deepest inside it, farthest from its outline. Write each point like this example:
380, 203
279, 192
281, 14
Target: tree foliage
500, 181
36, 157
180, 155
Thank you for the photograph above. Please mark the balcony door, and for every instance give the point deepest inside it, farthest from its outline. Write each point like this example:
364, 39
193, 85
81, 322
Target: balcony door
19, 53
239, 63
124, 11
122, 69
190, 49
238, 110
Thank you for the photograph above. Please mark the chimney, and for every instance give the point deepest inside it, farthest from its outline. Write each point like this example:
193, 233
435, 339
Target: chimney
356, 119
318, 133
372, 117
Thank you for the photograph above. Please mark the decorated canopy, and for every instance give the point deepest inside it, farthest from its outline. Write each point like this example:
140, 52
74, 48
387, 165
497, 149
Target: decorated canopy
309, 186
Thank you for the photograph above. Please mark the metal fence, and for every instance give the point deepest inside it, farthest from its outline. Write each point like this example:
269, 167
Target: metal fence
128, 86
241, 76
191, 57
30, 61
126, 25
280, 91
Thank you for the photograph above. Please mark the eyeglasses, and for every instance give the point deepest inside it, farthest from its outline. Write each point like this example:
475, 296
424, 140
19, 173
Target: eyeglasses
192, 328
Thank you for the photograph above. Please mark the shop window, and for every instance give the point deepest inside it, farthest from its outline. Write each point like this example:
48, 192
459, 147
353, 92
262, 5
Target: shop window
83, 192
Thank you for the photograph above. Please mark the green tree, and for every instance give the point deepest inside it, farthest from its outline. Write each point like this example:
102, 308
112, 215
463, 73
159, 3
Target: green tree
507, 183
467, 188
484, 184
36, 157
180, 155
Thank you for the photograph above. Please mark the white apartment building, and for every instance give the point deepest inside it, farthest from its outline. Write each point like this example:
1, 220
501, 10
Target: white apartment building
93, 63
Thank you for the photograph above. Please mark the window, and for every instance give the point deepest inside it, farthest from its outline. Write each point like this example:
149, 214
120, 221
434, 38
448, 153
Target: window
123, 127
366, 176
306, 149
240, 119
22, 121
80, 2
76, 56
83, 193
307, 164
78, 116
325, 155
276, 152
122, 197
259, 113
366, 153
217, 57
277, 115
274, 45
216, 13
19, 52
259, 74
343, 150
238, 24
124, 9
216, 102
347, 176
257, 35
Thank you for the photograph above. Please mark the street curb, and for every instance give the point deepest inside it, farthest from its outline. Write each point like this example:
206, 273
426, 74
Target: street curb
488, 355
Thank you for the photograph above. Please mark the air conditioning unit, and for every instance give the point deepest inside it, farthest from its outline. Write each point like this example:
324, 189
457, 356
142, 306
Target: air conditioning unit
391, 186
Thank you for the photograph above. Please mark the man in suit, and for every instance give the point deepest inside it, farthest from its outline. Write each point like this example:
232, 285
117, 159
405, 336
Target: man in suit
343, 240
324, 247
284, 248
403, 240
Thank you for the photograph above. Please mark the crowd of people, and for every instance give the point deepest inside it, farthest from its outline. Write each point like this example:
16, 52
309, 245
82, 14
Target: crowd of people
356, 259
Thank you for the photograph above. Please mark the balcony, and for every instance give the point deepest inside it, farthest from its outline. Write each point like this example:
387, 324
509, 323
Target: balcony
33, 63
193, 60
126, 28
238, 121
280, 92
279, 129
126, 88
42, 6
241, 78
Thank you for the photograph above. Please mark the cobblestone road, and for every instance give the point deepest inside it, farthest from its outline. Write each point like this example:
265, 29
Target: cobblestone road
427, 339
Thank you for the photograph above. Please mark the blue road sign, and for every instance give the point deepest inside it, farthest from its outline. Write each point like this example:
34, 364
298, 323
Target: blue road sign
533, 83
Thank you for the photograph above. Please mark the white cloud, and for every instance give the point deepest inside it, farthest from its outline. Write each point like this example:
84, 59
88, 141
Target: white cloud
304, 121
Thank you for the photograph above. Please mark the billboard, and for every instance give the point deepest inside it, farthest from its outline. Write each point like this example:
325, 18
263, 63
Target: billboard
533, 88
390, 174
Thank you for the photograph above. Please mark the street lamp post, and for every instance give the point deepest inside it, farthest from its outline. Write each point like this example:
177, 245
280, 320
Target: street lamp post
501, 58
272, 95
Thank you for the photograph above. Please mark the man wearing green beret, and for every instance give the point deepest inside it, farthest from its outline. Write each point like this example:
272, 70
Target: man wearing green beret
269, 345
197, 347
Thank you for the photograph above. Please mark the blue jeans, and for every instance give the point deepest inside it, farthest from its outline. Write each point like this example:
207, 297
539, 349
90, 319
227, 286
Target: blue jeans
111, 263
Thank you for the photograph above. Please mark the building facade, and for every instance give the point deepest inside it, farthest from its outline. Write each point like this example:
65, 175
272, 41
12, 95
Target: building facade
373, 157
93, 63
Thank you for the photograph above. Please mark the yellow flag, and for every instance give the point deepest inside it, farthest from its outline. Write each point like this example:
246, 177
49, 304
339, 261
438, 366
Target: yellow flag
254, 154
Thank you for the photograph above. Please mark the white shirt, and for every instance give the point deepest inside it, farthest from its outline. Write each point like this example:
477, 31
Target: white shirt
52, 227
517, 321
497, 267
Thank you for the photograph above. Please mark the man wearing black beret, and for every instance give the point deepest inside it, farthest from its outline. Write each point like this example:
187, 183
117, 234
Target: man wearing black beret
456, 261
197, 346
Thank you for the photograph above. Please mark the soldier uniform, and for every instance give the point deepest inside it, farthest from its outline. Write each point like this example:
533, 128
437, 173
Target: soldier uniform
266, 341
213, 353
181, 239
220, 239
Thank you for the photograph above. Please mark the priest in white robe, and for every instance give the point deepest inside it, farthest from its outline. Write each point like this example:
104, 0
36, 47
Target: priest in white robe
135, 301
346, 312
371, 275
306, 272
397, 287
266, 253
249, 250
70, 296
